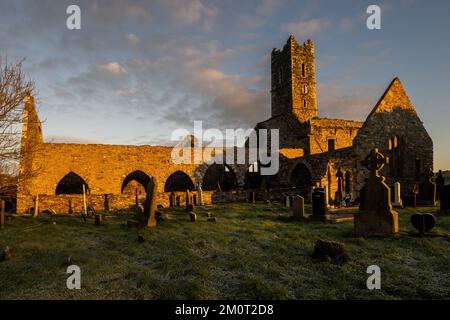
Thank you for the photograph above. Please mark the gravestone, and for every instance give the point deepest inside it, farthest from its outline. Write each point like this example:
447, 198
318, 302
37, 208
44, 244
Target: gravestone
445, 200
376, 216
98, 219
298, 208
172, 199
150, 203
193, 216
251, 197
340, 180
319, 207
288, 201
440, 182
423, 222
2, 214
83, 215
140, 211
427, 190
106, 202
410, 200
70, 211
397, 195
199, 195
187, 197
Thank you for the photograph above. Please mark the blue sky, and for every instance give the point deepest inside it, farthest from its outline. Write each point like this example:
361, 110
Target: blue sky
137, 70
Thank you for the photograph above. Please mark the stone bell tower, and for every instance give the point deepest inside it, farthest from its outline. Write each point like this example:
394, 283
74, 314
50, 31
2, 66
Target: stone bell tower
294, 80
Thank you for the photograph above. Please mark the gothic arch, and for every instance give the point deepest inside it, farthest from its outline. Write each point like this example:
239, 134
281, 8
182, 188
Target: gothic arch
253, 178
139, 176
219, 174
301, 176
71, 183
178, 181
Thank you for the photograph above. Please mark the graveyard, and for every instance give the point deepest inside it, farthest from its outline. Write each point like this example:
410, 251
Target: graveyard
193, 150
252, 251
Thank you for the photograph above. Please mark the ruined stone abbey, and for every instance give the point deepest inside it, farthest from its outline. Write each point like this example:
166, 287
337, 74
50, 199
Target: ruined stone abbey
313, 151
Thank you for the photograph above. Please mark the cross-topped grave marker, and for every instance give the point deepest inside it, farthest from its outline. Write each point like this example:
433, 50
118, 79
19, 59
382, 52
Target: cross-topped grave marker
376, 216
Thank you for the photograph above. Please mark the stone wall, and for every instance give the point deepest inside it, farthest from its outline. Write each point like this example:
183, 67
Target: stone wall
294, 80
103, 168
394, 117
341, 131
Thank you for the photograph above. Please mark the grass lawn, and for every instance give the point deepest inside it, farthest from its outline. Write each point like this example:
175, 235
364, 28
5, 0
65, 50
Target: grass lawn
248, 254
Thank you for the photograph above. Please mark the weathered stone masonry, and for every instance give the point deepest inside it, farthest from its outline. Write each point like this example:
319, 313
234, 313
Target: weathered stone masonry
312, 149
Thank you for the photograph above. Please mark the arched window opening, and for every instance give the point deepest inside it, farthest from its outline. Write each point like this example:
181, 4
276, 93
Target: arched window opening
219, 176
178, 182
136, 180
71, 184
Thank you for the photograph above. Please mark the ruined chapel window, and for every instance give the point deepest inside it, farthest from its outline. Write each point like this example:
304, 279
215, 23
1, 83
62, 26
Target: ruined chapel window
304, 104
395, 157
303, 70
71, 184
348, 182
280, 76
331, 145
305, 89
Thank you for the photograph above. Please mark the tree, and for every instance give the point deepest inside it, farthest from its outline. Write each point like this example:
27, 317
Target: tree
15, 86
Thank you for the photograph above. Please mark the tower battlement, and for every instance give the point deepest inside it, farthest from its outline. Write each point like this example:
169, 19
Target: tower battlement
293, 80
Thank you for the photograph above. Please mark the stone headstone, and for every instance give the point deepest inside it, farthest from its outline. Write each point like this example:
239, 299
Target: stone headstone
140, 211
193, 216
190, 207
2, 214
319, 207
410, 200
445, 200
199, 195
397, 195
251, 197
187, 197
427, 190
298, 207
150, 203
340, 181
106, 202
172, 199
288, 201
376, 216
423, 222
83, 215
440, 182
5, 254
70, 211
98, 219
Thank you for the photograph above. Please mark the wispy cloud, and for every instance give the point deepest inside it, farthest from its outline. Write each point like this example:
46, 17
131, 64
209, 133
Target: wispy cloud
306, 28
